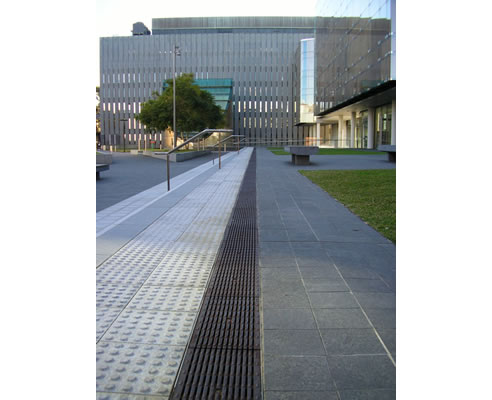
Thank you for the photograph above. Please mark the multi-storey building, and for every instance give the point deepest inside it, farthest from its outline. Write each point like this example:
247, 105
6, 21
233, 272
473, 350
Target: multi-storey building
256, 53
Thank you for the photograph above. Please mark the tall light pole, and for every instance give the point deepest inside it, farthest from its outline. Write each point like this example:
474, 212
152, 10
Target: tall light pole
176, 52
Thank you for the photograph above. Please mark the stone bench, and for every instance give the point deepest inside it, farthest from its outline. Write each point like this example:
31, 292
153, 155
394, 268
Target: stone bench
300, 154
390, 149
103, 157
99, 168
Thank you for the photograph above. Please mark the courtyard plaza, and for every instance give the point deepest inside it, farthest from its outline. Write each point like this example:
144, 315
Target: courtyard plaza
327, 279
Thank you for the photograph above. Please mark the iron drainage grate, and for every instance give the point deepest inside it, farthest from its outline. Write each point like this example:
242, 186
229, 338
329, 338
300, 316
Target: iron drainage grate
223, 357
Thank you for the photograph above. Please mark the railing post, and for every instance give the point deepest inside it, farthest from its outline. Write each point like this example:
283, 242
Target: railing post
168, 174
219, 151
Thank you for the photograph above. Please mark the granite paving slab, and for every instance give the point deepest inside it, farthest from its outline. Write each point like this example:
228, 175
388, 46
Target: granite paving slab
305, 395
289, 373
362, 372
351, 342
327, 288
292, 342
289, 318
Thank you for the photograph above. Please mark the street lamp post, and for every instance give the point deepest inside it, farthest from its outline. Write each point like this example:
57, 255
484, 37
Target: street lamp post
176, 52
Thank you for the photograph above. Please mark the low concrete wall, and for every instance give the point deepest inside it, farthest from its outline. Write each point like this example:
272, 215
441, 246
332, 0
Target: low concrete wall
104, 158
179, 157
175, 157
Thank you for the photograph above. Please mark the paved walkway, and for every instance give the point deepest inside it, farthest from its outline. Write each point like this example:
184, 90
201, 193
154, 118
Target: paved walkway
150, 289
328, 288
117, 224
131, 174
327, 282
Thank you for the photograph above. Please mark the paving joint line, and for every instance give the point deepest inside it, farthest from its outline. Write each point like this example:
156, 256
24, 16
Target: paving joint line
310, 227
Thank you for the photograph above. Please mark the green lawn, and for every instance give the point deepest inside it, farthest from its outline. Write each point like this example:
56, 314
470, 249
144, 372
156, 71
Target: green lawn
279, 151
371, 194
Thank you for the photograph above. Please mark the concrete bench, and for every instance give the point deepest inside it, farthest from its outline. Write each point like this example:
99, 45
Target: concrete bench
99, 168
390, 149
300, 154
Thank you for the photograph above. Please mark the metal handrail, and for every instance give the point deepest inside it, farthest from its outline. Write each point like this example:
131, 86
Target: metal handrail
238, 144
219, 143
184, 144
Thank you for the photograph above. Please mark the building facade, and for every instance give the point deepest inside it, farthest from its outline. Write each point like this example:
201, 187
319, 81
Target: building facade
355, 96
256, 53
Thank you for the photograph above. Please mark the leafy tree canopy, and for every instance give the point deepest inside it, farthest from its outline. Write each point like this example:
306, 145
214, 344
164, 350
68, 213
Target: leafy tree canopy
195, 108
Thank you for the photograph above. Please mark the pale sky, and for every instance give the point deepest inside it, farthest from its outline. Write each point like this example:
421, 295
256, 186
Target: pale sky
116, 17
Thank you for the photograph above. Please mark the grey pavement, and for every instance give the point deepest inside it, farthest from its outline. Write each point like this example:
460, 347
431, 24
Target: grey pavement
362, 161
131, 174
327, 279
327, 287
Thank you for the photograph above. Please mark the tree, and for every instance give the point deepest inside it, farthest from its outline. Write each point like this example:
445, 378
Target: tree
195, 108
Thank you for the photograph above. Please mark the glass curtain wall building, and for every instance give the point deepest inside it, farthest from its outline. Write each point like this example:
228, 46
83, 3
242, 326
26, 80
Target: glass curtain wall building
355, 97
255, 53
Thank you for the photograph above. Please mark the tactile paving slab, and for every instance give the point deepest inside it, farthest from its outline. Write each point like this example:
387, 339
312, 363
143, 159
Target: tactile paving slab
113, 295
136, 368
153, 327
182, 276
104, 318
167, 298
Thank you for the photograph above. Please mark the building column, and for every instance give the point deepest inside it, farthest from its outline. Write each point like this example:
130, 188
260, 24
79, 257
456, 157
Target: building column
352, 129
341, 131
318, 133
393, 123
370, 127
380, 124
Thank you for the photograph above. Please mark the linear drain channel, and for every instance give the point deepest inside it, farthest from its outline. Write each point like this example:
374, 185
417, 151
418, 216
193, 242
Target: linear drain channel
223, 357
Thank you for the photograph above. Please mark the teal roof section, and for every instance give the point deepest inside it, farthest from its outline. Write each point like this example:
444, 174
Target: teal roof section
220, 89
